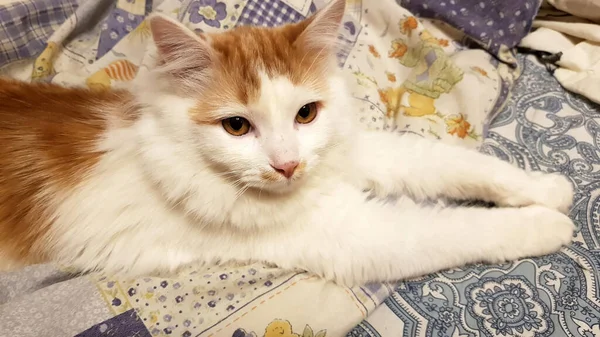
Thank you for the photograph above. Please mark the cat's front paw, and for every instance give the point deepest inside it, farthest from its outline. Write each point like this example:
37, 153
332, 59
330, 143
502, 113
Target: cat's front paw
537, 231
552, 190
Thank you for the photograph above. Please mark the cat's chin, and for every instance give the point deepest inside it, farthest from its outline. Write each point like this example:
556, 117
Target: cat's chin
280, 187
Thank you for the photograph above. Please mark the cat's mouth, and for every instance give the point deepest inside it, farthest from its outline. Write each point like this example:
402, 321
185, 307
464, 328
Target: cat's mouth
281, 182
275, 177
282, 187
269, 178
272, 183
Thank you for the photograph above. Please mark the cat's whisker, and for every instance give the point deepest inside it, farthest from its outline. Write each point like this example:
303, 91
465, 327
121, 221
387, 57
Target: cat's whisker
303, 57
240, 192
226, 174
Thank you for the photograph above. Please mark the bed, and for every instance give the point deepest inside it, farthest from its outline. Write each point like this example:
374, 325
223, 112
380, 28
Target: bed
433, 68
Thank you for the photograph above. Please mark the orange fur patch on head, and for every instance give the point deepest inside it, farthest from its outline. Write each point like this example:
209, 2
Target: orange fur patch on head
228, 67
49, 136
245, 51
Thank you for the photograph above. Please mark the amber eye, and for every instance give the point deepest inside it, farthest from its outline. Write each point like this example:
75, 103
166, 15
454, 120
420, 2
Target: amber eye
307, 113
237, 126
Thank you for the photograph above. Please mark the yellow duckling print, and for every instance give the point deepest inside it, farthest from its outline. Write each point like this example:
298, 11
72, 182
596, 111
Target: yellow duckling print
407, 102
42, 66
432, 75
282, 328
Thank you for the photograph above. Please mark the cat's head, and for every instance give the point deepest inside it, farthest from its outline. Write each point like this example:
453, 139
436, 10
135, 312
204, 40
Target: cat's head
262, 105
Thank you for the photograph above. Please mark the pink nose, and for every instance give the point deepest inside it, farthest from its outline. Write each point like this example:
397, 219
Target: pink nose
286, 169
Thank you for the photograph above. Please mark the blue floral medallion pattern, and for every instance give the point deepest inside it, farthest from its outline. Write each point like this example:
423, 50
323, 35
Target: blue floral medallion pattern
507, 306
542, 127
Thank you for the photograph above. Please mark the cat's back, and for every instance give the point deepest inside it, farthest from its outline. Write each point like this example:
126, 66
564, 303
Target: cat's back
48, 141
46, 103
46, 127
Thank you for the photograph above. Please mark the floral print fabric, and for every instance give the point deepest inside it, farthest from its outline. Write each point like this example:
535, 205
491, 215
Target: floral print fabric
496, 26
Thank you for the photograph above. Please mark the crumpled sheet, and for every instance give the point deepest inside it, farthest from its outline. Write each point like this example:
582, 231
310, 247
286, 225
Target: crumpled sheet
574, 40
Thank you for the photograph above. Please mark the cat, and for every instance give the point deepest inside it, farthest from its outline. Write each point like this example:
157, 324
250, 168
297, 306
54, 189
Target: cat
243, 146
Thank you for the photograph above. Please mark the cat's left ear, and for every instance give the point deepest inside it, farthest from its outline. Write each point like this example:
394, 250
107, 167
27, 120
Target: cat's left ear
185, 56
322, 28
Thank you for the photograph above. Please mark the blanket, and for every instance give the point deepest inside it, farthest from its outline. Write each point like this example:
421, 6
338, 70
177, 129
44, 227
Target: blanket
543, 127
550, 123
406, 75
566, 30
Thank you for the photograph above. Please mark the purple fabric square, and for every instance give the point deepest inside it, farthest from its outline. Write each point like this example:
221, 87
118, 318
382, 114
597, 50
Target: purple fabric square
269, 13
117, 25
495, 25
127, 324
26, 26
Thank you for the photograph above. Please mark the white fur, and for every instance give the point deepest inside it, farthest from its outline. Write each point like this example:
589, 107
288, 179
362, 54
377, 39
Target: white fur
168, 192
154, 203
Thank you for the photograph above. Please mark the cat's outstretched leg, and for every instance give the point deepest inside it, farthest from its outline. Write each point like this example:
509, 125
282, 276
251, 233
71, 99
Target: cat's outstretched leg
424, 169
347, 239
353, 241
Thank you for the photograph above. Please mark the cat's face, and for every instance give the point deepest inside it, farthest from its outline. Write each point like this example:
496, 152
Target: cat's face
266, 104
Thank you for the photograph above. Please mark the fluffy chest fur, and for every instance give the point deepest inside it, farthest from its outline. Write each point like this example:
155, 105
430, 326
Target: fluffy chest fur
149, 204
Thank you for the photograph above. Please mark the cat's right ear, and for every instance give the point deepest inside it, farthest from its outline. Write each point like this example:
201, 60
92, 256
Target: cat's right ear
322, 28
185, 56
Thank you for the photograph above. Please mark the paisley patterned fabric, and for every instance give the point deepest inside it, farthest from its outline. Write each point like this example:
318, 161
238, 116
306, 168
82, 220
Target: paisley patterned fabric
542, 127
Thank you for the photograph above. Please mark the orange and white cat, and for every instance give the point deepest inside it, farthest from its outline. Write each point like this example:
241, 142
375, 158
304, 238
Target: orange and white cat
242, 146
